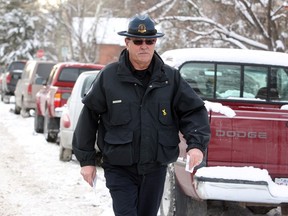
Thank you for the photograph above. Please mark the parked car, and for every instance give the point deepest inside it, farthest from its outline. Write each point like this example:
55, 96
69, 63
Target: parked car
254, 84
10, 77
1, 81
34, 73
71, 112
55, 93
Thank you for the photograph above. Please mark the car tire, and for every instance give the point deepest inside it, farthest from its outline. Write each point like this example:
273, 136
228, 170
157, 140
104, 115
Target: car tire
50, 137
17, 109
167, 205
6, 98
24, 112
65, 154
38, 122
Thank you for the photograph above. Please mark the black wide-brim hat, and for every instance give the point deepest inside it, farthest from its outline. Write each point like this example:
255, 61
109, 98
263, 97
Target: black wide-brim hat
141, 26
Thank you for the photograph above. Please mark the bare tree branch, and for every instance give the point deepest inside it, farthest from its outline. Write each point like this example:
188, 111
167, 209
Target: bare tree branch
220, 29
156, 7
257, 22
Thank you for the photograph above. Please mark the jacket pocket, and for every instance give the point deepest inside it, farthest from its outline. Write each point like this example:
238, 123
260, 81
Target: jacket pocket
118, 147
165, 115
120, 114
168, 150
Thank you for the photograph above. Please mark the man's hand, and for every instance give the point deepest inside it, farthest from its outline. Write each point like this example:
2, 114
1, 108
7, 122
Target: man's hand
196, 157
88, 173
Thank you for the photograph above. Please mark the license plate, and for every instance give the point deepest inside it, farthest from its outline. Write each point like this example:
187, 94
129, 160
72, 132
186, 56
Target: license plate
281, 181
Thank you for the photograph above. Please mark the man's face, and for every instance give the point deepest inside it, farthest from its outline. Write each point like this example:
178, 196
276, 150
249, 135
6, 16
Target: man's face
141, 51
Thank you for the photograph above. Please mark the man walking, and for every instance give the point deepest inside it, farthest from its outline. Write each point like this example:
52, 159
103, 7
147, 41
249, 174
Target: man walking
137, 106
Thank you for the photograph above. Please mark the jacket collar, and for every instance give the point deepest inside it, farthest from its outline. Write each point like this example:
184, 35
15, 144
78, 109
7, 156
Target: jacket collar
124, 69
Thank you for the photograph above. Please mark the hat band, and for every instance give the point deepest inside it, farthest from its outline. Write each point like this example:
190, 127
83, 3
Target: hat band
147, 32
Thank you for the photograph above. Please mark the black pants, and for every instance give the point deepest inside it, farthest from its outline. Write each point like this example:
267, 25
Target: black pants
133, 194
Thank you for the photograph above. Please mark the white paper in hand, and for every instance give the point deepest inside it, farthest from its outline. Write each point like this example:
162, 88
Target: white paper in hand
187, 165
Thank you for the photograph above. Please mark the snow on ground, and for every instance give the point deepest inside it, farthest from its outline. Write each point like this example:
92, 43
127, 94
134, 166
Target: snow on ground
34, 182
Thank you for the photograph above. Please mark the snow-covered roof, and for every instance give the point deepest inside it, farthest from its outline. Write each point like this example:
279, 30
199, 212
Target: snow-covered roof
105, 29
176, 57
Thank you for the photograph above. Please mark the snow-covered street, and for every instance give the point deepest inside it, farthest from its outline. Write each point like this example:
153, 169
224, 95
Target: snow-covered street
34, 182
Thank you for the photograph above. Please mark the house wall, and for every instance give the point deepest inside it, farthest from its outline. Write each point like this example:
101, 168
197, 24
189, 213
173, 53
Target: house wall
108, 53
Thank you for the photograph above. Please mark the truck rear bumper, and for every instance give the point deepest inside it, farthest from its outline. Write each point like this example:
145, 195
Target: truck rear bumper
241, 184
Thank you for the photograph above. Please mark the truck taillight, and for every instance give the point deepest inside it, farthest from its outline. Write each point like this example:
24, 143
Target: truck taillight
8, 78
57, 100
66, 121
29, 89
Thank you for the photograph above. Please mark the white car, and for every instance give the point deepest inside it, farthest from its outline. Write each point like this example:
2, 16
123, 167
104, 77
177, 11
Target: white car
71, 112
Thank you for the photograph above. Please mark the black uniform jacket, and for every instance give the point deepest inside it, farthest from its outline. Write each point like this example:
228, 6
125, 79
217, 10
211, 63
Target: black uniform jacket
139, 129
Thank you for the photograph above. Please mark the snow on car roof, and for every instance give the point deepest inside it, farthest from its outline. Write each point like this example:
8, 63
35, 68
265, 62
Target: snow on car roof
177, 57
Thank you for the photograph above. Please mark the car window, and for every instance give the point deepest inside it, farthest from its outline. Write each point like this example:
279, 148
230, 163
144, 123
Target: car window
43, 70
255, 81
87, 84
200, 77
231, 85
279, 82
16, 66
71, 74
230, 81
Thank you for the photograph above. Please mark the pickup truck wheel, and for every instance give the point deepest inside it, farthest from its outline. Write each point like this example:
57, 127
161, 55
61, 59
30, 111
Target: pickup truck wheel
65, 154
38, 122
50, 137
185, 205
167, 206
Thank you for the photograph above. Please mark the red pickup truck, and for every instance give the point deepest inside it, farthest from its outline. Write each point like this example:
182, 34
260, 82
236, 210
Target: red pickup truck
54, 94
246, 161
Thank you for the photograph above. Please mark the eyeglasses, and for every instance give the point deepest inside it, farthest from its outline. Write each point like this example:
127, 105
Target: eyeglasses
139, 42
